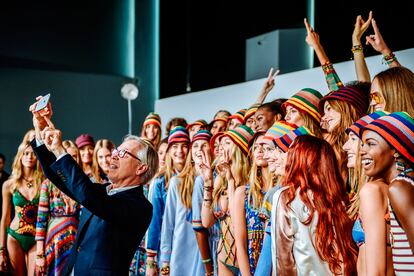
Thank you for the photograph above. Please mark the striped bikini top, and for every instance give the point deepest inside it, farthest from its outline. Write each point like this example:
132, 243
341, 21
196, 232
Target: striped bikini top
402, 255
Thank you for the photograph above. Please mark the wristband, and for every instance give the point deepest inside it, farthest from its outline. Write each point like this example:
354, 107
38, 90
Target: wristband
357, 48
390, 58
206, 261
151, 264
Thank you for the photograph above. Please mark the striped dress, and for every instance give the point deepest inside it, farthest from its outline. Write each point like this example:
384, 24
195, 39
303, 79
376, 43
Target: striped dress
57, 224
402, 256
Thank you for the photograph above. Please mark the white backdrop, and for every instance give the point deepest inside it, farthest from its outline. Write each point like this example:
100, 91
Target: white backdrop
204, 104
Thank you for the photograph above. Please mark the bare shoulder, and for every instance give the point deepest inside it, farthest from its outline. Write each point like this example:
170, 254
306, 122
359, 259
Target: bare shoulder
8, 184
401, 184
374, 189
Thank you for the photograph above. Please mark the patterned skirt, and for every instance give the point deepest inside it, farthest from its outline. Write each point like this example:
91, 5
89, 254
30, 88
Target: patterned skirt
61, 236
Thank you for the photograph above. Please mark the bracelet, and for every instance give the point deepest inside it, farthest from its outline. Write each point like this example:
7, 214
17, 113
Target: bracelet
151, 264
207, 199
390, 58
208, 188
40, 256
357, 48
327, 67
206, 261
165, 270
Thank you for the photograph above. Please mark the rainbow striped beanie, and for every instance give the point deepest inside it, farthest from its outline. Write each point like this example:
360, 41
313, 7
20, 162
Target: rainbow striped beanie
152, 119
398, 130
204, 135
280, 128
241, 136
307, 101
351, 95
179, 134
361, 123
286, 140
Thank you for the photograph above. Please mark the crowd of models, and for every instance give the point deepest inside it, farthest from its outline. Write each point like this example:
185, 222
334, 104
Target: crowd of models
310, 185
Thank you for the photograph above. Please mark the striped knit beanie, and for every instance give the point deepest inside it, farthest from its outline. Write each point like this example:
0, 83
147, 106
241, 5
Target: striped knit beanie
241, 136
278, 129
177, 135
307, 101
204, 135
398, 130
286, 140
239, 116
201, 123
353, 96
251, 111
218, 119
152, 119
361, 123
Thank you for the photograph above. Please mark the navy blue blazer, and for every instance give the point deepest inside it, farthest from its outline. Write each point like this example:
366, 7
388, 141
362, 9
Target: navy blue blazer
110, 227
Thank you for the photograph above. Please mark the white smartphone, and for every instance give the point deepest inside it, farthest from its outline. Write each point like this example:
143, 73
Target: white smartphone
42, 103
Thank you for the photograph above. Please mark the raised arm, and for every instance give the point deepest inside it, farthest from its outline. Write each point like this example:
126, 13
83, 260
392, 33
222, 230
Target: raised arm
361, 67
379, 45
207, 217
267, 86
312, 39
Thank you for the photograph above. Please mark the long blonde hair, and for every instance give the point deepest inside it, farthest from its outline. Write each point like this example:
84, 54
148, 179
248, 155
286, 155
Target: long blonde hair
67, 144
186, 177
17, 168
240, 166
338, 136
256, 181
96, 169
397, 88
357, 179
157, 140
169, 167
311, 124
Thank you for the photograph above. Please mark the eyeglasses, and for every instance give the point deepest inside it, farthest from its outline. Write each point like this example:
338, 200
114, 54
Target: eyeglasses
376, 97
121, 154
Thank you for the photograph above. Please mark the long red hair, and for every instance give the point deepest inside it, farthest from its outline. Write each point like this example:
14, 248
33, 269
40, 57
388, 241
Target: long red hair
312, 166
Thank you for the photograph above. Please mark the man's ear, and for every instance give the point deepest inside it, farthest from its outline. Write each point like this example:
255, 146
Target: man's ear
141, 169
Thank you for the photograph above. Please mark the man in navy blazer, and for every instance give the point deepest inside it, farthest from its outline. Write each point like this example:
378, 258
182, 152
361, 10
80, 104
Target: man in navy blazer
115, 216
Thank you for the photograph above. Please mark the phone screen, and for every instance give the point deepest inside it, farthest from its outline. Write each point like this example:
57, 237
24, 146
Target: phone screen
42, 103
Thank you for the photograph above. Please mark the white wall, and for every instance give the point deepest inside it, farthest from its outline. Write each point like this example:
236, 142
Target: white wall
204, 104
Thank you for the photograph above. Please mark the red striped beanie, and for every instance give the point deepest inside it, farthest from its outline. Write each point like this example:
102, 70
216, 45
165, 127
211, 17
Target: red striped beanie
398, 130
239, 116
152, 119
179, 134
307, 101
361, 123
241, 136
351, 95
285, 141
201, 123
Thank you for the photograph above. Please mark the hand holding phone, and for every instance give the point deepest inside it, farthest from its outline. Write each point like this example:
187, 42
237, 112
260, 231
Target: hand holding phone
42, 103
